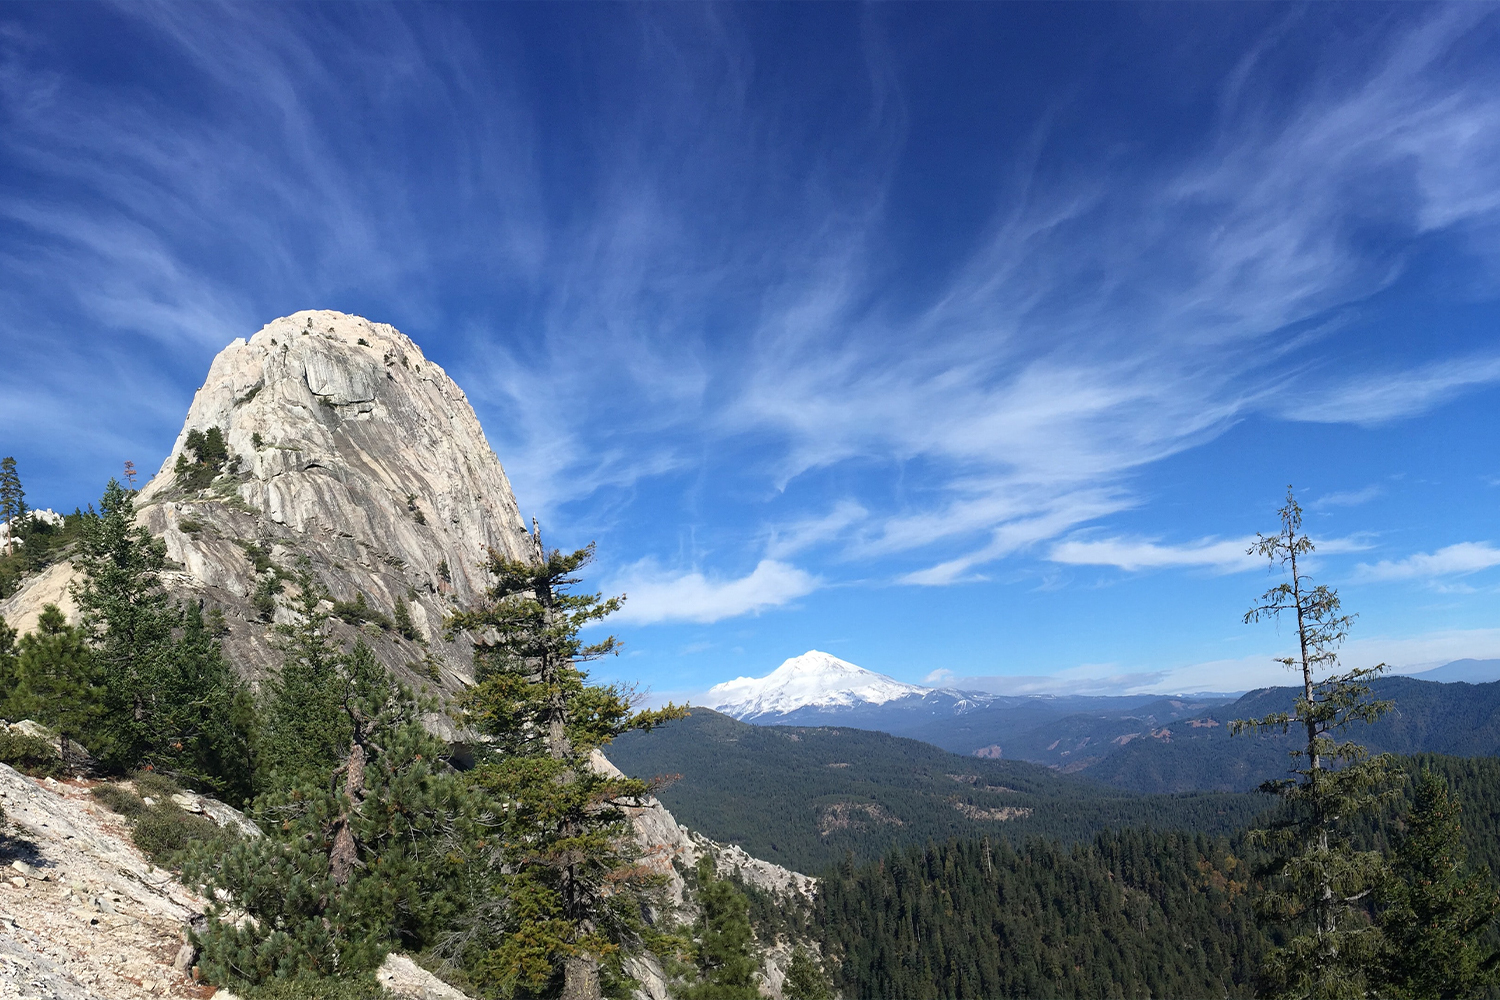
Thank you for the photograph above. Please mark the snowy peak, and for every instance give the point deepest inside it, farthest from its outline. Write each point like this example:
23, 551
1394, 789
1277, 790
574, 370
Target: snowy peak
812, 680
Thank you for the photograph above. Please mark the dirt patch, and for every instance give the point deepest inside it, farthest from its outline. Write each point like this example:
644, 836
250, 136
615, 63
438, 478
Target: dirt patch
998, 814
854, 816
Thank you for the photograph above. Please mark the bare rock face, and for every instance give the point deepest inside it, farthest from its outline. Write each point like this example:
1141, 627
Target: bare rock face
351, 457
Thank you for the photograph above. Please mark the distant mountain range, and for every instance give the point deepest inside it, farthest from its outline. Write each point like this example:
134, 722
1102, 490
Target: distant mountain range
1144, 742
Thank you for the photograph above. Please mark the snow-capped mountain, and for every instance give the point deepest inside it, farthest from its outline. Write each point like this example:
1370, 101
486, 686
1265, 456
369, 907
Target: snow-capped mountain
814, 680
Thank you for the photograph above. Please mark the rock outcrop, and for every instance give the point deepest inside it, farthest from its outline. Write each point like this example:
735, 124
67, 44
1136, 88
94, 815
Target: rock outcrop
350, 456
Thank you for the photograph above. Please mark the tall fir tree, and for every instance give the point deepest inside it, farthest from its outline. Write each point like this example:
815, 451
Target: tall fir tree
565, 888
12, 500
1435, 910
1318, 884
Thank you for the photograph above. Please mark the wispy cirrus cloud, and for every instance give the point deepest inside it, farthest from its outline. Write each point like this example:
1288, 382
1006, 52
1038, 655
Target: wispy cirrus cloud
1461, 559
675, 286
1231, 555
1347, 498
654, 594
1384, 396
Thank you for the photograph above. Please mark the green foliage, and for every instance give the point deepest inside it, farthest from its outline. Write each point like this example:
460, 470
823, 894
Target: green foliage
722, 947
362, 848
33, 755
1316, 878
12, 496
414, 510
361, 987
210, 455
805, 979
403, 624
9, 681
170, 700
359, 612
41, 544
257, 441
1435, 910
165, 833
57, 680
565, 889
259, 556
1135, 913
263, 600
304, 729
118, 799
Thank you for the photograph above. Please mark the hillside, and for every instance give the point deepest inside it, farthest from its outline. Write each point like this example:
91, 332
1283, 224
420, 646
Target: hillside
1455, 719
804, 797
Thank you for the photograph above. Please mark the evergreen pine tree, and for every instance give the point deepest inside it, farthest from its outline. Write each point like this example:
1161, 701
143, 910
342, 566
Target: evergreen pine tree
9, 678
726, 963
303, 728
1435, 910
169, 699
1317, 881
200, 714
57, 680
12, 500
356, 859
804, 979
565, 887
129, 621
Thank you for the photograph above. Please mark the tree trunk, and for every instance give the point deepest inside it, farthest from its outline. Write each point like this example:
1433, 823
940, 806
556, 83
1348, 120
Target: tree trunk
581, 979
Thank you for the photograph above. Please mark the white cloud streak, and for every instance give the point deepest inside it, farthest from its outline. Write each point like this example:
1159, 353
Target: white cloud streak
1453, 560
656, 595
1134, 554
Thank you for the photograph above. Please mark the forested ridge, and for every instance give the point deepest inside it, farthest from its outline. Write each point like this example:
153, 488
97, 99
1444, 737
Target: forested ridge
1130, 912
804, 797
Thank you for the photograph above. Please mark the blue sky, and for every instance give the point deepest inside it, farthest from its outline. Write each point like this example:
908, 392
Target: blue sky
972, 339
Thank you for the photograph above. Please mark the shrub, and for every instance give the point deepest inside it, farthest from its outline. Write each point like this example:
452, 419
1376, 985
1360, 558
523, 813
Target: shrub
33, 755
156, 785
164, 831
118, 799
351, 988
359, 611
190, 525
